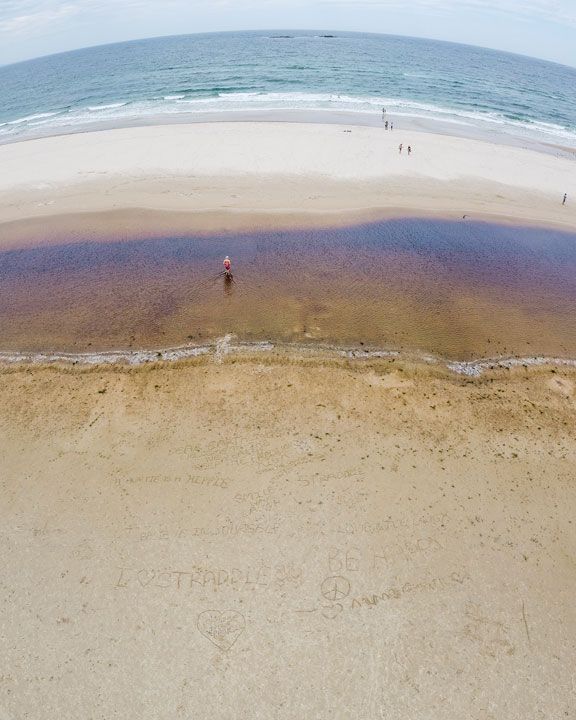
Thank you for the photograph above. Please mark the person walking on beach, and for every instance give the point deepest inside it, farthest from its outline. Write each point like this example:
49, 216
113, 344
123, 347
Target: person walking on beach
564, 201
386, 125
400, 148
409, 149
391, 125
227, 266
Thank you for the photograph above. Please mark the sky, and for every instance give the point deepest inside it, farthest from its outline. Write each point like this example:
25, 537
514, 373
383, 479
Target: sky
540, 28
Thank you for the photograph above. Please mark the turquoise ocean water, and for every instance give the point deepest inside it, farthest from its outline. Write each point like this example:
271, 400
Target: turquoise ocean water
463, 89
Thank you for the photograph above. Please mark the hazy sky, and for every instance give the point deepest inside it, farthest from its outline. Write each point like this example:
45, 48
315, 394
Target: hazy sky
542, 28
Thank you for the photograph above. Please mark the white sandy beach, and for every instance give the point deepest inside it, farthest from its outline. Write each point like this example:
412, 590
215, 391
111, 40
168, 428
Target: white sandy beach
226, 168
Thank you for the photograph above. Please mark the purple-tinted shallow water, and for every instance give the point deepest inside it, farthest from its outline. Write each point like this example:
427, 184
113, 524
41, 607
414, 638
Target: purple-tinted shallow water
458, 290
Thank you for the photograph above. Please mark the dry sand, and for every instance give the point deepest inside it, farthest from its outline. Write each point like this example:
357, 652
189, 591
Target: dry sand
265, 538
280, 538
226, 168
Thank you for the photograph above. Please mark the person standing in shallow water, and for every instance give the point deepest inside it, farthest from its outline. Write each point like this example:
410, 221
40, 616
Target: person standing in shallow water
227, 265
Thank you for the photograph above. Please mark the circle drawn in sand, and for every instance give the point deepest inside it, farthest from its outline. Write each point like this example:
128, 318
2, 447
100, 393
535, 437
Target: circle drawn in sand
335, 588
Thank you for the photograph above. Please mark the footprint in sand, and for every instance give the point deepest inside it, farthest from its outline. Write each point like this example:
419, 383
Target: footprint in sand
563, 386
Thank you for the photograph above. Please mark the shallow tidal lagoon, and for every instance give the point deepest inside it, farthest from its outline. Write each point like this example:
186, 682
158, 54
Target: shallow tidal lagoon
458, 290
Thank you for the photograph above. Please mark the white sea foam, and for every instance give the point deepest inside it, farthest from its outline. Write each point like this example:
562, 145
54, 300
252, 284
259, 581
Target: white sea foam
28, 118
366, 105
290, 101
95, 108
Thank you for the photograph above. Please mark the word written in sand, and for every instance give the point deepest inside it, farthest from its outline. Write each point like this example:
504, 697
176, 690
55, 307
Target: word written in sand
259, 500
240, 452
355, 559
336, 593
370, 600
228, 529
214, 481
406, 550
318, 479
221, 628
261, 577
438, 520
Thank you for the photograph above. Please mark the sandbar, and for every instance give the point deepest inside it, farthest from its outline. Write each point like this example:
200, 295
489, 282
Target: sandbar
223, 173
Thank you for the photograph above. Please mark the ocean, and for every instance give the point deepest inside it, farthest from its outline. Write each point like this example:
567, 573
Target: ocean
291, 75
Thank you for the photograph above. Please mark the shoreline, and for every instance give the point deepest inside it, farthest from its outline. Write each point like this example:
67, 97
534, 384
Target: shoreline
139, 223
144, 223
282, 169
404, 123
225, 350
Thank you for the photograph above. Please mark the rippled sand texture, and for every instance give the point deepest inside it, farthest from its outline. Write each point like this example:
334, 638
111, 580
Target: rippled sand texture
460, 290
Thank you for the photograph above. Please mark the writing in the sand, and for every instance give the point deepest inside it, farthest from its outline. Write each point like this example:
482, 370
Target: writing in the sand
371, 599
436, 521
236, 451
308, 480
239, 579
206, 481
137, 533
354, 559
338, 595
259, 500
241, 451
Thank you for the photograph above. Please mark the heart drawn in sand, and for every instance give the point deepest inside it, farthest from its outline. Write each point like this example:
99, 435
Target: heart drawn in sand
222, 628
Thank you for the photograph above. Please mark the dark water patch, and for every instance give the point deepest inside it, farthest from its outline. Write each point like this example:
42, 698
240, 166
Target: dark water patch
458, 290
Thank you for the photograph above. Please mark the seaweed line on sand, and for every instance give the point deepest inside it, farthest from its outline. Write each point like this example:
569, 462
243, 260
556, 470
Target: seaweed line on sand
475, 368
224, 346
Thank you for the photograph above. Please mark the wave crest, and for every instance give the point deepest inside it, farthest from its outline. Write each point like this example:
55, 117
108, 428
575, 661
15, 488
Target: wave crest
218, 101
